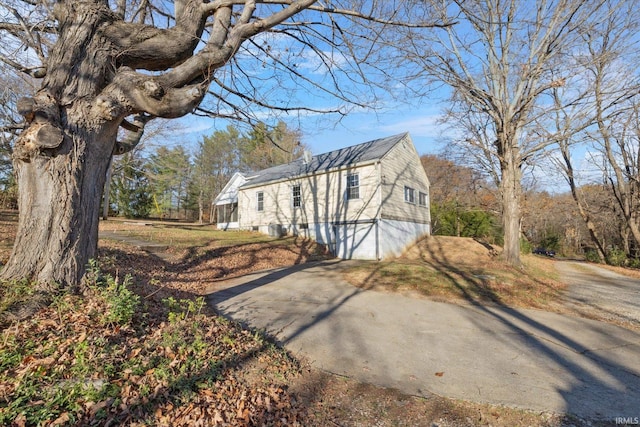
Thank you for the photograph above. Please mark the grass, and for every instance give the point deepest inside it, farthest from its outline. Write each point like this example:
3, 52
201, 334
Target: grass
182, 236
463, 272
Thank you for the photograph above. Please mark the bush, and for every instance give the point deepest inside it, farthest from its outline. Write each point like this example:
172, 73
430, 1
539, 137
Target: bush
121, 302
525, 246
591, 255
551, 242
453, 220
616, 257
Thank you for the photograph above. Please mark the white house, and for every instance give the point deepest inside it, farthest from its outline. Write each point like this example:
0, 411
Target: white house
367, 201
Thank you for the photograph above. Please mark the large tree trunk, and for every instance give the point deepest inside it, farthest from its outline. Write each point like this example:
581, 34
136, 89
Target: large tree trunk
61, 159
59, 208
511, 191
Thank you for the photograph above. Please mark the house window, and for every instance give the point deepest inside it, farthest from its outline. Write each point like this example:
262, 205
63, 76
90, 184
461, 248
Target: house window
422, 199
353, 186
296, 196
228, 213
260, 201
409, 194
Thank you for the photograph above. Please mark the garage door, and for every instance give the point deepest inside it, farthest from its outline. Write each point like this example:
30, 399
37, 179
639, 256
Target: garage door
355, 241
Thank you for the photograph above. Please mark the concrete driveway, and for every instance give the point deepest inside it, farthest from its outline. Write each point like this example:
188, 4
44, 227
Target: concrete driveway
521, 358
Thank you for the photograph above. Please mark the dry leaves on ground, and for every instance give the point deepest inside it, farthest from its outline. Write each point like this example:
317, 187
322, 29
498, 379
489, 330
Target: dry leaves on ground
169, 365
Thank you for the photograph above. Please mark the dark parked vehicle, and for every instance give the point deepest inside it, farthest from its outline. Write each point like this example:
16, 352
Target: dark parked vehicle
543, 251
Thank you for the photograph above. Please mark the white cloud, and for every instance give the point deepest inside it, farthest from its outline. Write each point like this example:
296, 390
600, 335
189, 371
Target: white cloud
422, 126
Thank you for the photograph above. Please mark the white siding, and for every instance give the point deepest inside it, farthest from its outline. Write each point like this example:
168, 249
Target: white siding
401, 167
323, 200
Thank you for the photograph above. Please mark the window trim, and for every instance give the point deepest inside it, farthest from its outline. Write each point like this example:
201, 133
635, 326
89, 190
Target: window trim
409, 195
353, 188
260, 201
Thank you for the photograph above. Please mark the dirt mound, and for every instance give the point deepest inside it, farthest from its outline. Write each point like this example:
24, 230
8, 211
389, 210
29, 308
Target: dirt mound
449, 250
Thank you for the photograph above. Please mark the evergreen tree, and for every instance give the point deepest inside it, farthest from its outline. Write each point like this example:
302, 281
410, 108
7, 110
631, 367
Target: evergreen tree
216, 159
264, 147
169, 174
130, 190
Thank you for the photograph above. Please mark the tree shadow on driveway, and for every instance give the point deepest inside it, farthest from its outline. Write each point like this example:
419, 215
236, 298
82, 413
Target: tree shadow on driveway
492, 354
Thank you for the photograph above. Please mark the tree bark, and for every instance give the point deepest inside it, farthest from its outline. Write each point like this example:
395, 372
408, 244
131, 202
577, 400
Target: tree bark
107, 190
201, 206
511, 191
61, 172
59, 204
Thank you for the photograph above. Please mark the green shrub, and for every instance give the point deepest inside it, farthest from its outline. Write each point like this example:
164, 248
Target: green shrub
591, 255
525, 246
616, 257
120, 300
183, 308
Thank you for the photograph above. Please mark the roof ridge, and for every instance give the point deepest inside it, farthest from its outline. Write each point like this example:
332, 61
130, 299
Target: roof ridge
371, 150
398, 136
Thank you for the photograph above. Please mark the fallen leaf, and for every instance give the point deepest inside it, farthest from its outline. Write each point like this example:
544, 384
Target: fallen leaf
20, 420
62, 419
135, 352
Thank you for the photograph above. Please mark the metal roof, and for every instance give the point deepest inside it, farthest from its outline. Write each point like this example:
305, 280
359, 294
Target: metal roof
365, 152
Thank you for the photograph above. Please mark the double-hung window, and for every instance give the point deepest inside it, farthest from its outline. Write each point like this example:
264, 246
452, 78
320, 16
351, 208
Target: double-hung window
260, 201
409, 194
422, 199
353, 186
296, 196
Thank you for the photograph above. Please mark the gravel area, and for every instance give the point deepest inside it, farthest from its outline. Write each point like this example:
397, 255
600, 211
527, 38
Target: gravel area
601, 294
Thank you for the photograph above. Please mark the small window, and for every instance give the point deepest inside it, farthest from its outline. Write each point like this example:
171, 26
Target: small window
353, 186
409, 194
304, 226
296, 196
422, 199
260, 201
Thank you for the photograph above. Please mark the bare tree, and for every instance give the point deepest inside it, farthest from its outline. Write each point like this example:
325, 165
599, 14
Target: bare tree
498, 62
12, 88
598, 109
111, 64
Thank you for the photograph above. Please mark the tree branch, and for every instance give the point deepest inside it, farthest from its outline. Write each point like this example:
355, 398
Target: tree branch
267, 105
150, 48
134, 132
36, 72
144, 94
213, 6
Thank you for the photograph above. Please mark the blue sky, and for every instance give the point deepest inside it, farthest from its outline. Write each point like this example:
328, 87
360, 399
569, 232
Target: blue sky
326, 133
